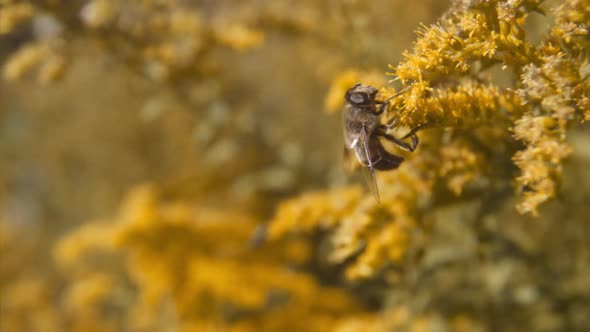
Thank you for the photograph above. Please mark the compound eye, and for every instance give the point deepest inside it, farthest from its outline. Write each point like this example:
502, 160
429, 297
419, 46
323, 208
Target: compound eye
358, 98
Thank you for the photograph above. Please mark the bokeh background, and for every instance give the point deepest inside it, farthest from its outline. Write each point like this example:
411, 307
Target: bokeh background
145, 147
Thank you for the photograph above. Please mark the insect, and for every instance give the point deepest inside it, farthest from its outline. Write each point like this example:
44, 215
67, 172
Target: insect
363, 131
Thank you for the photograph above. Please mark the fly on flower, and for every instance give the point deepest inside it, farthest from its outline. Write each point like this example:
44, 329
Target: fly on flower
363, 131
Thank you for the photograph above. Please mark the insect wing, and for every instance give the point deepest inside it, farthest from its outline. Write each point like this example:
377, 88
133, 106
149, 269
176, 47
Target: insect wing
349, 162
371, 179
347, 157
369, 170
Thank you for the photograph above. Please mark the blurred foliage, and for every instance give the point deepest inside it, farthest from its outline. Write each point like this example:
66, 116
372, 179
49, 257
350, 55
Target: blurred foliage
167, 165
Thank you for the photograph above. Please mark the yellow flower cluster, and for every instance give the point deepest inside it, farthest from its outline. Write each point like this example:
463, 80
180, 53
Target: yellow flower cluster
475, 35
555, 88
467, 104
169, 39
471, 118
448, 85
13, 14
444, 70
234, 231
540, 162
43, 56
462, 165
372, 235
239, 37
202, 264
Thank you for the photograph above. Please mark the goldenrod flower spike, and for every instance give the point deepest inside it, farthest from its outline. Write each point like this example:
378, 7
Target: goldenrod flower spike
485, 91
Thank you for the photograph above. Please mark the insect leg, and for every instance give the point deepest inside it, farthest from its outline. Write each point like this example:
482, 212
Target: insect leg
386, 102
382, 106
415, 130
400, 141
404, 145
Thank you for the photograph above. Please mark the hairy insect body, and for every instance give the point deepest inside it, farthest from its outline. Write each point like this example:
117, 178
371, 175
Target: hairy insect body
361, 136
363, 130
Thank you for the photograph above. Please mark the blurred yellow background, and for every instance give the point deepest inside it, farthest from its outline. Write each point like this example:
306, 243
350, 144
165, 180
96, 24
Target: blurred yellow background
176, 166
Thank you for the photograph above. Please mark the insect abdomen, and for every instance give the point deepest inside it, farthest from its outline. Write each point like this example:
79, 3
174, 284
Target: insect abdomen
387, 161
381, 160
